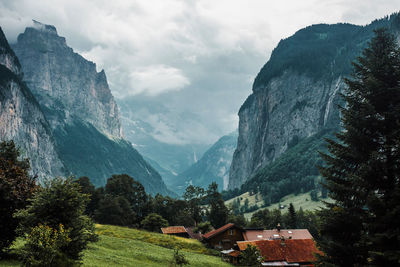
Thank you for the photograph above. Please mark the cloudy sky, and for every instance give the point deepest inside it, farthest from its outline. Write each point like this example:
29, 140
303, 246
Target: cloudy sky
195, 59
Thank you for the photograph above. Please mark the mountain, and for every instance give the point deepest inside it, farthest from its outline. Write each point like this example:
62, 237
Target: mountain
80, 109
295, 95
67, 86
143, 122
212, 167
22, 120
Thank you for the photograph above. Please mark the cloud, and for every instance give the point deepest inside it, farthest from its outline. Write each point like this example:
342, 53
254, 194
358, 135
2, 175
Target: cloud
156, 79
197, 57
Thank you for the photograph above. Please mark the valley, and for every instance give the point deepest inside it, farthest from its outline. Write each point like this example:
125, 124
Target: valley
144, 160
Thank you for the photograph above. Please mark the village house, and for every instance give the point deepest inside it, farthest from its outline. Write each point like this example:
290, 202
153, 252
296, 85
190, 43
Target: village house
175, 230
284, 252
225, 237
230, 255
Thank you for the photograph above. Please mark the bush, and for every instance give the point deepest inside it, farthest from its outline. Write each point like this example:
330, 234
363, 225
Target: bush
60, 202
44, 245
251, 256
178, 259
153, 222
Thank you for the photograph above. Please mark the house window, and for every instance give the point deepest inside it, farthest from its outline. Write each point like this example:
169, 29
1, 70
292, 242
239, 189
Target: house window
231, 232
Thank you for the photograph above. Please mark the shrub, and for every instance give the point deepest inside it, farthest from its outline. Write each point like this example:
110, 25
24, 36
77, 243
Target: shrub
178, 259
44, 245
251, 256
153, 222
60, 202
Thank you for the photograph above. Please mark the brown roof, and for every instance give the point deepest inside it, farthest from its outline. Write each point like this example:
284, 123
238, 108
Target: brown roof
292, 250
173, 230
219, 230
250, 235
234, 253
194, 235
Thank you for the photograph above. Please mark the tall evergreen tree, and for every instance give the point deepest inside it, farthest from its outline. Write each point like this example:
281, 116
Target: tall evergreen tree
292, 217
218, 214
193, 196
362, 169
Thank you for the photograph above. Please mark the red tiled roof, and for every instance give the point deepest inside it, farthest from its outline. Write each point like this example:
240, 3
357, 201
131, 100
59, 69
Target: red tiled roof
293, 250
217, 231
250, 235
173, 230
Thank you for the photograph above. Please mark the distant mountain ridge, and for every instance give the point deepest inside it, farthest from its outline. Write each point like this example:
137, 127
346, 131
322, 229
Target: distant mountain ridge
173, 158
213, 166
82, 114
295, 98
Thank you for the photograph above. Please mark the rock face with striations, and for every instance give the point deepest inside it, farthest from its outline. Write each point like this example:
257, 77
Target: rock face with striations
22, 120
81, 110
296, 93
66, 85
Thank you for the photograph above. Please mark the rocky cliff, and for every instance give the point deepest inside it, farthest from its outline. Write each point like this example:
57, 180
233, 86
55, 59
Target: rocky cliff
81, 110
22, 120
66, 85
296, 93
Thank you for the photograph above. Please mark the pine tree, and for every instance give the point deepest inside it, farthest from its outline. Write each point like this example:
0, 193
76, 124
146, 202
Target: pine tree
292, 217
218, 214
362, 168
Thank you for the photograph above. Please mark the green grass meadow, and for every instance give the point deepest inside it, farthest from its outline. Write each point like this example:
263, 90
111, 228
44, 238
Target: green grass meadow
121, 246
299, 201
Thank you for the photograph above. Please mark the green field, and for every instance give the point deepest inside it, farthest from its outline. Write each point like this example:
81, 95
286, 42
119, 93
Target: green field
299, 201
121, 246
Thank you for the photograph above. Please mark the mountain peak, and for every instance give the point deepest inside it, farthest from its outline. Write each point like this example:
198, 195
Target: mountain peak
44, 27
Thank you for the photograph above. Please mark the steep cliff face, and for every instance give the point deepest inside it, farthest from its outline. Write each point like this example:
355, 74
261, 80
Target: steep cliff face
22, 120
212, 167
296, 93
81, 110
292, 107
66, 85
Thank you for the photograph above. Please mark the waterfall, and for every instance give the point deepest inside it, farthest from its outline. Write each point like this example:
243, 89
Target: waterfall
331, 97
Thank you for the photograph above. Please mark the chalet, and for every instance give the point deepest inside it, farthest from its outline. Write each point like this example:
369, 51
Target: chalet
230, 255
175, 230
251, 235
224, 237
285, 252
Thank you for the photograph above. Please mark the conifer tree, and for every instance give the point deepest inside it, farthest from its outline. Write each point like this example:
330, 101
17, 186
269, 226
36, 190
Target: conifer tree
218, 214
362, 169
292, 217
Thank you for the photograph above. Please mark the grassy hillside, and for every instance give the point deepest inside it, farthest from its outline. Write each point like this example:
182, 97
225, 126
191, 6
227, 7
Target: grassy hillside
299, 201
121, 246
